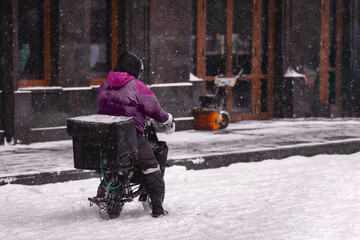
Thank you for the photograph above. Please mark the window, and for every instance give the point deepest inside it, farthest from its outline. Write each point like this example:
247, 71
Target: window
216, 37
265, 37
306, 34
242, 37
34, 43
242, 97
99, 38
103, 38
264, 95
332, 33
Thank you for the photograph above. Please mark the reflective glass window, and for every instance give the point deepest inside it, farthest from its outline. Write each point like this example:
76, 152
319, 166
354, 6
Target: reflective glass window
31, 39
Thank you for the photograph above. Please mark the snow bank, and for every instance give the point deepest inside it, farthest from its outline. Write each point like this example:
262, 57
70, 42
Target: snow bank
298, 198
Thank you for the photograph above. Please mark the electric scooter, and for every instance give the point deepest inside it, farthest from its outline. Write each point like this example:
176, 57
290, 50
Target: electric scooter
108, 145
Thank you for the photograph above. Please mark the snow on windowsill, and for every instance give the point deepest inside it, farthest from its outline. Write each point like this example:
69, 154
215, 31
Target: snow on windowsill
180, 84
85, 118
48, 128
92, 87
78, 88
194, 78
57, 88
292, 73
26, 89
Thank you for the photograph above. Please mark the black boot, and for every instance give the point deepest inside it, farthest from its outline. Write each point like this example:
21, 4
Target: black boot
156, 215
157, 208
156, 187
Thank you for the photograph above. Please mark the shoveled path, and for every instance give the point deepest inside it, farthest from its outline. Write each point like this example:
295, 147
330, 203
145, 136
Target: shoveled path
243, 141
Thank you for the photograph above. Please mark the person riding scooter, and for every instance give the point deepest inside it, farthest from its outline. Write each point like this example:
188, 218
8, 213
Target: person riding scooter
123, 94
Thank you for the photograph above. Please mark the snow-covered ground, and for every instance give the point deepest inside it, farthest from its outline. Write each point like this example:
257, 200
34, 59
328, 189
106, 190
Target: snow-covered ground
297, 198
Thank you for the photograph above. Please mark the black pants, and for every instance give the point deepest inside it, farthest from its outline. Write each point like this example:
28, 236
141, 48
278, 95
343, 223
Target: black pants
146, 157
154, 180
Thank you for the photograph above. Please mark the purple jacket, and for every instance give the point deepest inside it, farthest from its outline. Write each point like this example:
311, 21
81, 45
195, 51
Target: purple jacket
123, 95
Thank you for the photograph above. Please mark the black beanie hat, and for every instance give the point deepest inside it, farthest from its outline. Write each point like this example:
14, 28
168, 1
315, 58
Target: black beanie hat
130, 63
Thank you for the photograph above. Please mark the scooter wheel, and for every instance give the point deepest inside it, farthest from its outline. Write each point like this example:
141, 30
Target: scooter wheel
224, 120
109, 211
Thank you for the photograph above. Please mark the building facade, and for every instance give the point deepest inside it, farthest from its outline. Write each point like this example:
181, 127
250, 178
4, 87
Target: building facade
54, 54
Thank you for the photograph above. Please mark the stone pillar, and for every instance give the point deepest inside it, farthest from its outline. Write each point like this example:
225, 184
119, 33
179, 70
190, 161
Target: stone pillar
22, 117
9, 64
354, 83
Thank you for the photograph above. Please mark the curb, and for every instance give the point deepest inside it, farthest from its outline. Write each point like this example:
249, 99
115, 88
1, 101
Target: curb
198, 163
216, 161
48, 177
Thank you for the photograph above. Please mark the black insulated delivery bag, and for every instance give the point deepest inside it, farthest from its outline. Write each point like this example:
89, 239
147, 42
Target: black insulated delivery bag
103, 141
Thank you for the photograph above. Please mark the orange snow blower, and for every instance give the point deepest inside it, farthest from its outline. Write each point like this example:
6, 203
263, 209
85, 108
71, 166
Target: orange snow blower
206, 119
212, 114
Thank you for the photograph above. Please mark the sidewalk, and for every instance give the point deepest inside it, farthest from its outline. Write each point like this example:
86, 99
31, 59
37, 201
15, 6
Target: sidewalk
244, 141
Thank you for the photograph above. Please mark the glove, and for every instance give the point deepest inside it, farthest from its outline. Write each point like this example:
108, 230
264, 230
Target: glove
171, 128
165, 127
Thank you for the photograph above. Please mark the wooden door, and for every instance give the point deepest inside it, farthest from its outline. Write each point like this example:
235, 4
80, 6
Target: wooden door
331, 52
234, 36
